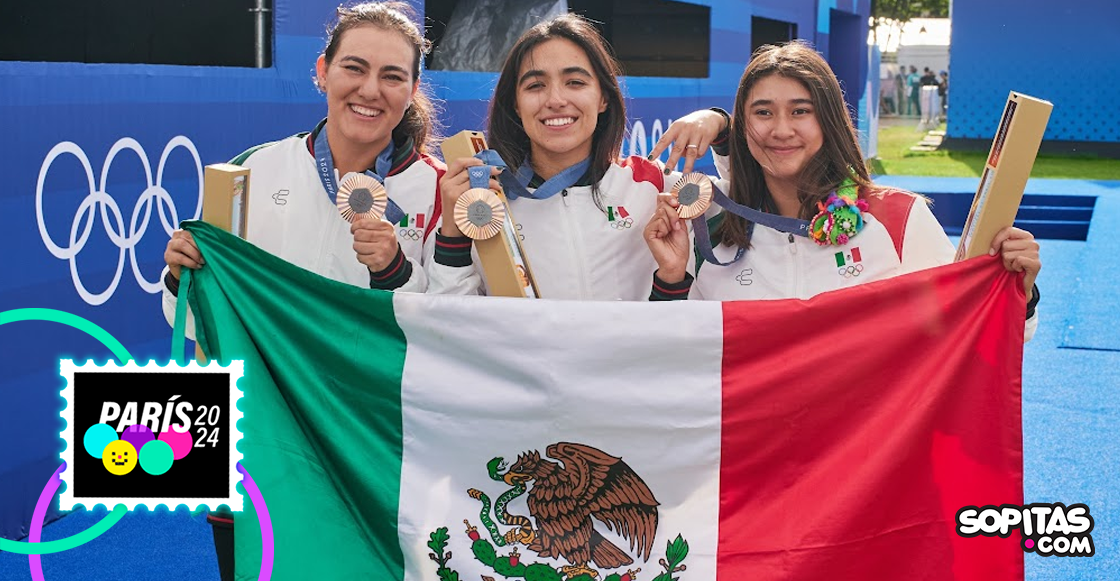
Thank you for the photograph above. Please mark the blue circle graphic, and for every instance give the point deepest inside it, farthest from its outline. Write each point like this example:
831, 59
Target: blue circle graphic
97, 437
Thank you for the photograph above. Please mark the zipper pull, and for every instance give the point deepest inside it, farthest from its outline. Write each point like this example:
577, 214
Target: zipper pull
793, 245
564, 195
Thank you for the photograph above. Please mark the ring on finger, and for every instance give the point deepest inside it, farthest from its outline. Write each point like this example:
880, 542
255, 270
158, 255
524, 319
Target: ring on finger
692, 146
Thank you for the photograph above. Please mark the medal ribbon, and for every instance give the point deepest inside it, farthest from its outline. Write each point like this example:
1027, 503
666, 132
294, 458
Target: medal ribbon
793, 226
516, 186
840, 218
324, 164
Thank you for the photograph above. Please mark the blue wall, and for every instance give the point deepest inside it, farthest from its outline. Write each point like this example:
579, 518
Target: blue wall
214, 113
1062, 52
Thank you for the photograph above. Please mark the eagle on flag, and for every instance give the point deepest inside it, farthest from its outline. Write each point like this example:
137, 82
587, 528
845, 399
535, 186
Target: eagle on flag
590, 484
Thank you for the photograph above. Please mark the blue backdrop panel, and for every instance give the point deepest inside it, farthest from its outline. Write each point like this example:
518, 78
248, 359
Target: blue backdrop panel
211, 112
166, 117
1064, 53
100, 262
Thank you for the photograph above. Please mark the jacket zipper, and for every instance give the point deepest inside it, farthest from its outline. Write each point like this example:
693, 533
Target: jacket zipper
575, 238
796, 263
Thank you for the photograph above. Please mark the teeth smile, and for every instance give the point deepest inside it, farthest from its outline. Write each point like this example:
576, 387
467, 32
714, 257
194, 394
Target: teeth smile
364, 111
560, 121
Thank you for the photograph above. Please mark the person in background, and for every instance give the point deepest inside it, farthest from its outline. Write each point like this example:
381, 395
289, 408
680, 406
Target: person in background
943, 92
928, 78
887, 103
900, 89
913, 91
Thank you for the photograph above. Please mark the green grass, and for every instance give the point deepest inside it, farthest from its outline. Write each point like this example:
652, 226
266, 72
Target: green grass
895, 158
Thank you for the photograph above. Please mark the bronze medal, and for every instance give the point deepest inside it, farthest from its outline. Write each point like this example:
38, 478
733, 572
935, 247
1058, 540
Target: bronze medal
360, 195
694, 192
479, 214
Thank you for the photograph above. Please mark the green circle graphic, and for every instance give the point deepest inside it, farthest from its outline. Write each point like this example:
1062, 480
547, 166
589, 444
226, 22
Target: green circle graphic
122, 355
54, 316
156, 457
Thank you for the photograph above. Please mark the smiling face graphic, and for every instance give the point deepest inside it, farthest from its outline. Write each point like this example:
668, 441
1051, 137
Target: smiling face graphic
119, 457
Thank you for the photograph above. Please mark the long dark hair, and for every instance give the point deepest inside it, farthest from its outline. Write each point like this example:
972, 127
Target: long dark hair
839, 156
419, 121
508, 136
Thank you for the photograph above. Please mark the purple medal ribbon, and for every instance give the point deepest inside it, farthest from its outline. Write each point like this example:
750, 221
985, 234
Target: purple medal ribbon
793, 226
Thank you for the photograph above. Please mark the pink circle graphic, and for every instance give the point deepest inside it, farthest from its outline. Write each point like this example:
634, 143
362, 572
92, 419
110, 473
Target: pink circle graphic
1029, 543
181, 443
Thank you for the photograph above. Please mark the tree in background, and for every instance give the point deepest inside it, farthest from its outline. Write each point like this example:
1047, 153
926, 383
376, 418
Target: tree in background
895, 13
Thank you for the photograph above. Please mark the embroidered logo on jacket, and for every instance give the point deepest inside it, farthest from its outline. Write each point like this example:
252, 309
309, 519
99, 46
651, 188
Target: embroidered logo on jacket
411, 227
848, 265
744, 277
619, 218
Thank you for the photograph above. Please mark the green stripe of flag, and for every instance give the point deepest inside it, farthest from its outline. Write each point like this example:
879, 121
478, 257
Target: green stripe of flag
314, 465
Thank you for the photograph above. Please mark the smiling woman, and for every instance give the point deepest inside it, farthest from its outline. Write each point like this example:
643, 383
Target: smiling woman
379, 123
558, 105
818, 222
370, 72
378, 126
557, 118
369, 84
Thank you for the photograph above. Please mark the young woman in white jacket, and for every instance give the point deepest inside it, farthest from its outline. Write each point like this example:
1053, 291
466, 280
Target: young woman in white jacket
794, 154
379, 121
557, 119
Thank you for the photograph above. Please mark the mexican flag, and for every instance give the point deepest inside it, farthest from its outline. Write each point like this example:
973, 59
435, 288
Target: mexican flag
404, 436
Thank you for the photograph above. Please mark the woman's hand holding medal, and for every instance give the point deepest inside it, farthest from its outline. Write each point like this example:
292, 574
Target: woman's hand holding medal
468, 216
667, 238
375, 242
362, 201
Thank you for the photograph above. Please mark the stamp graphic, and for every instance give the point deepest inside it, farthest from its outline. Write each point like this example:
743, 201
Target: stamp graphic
150, 435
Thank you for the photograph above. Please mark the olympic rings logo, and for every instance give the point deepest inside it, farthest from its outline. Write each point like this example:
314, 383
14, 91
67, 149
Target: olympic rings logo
622, 224
850, 271
99, 198
410, 233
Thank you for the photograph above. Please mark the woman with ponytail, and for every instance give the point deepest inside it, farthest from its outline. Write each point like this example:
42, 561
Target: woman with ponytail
380, 123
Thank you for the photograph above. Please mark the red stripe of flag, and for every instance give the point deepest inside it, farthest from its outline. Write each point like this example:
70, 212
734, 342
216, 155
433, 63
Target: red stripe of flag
884, 459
